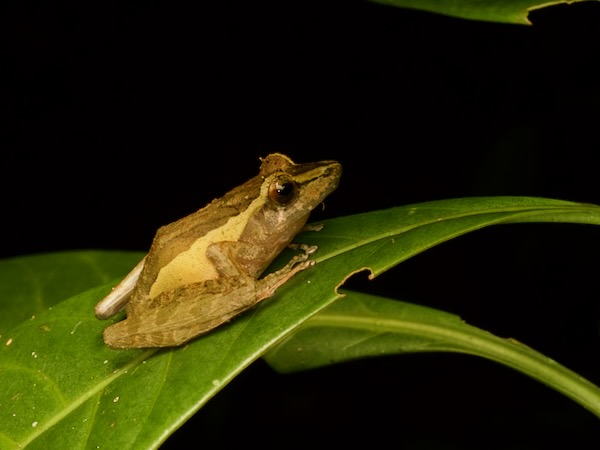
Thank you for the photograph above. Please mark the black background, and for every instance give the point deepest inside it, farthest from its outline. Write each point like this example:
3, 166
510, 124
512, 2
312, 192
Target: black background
120, 119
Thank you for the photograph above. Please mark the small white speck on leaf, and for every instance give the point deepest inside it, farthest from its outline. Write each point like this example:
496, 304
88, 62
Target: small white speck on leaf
106, 361
34, 424
216, 382
75, 327
33, 317
10, 341
34, 355
116, 399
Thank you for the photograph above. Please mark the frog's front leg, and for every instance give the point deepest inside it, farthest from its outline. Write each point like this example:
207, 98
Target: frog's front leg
236, 258
233, 259
266, 286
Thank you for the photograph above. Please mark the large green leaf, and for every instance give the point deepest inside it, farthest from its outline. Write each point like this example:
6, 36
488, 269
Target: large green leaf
506, 11
30, 284
62, 388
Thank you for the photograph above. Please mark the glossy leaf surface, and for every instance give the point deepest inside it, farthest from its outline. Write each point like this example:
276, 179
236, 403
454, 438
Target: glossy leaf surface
63, 388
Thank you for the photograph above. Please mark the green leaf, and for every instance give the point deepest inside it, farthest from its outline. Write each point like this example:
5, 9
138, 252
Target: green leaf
361, 326
506, 11
63, 388
30, 284
379, 240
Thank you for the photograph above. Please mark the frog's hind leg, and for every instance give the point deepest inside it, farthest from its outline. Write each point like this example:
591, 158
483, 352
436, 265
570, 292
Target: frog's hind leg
175, 317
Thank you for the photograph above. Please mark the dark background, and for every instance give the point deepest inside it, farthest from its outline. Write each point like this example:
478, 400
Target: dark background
120, 119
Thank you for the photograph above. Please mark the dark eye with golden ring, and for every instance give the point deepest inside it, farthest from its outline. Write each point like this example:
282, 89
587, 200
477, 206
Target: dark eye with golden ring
283, 191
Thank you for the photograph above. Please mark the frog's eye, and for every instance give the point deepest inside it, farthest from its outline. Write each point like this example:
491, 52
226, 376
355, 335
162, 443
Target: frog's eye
283, 191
